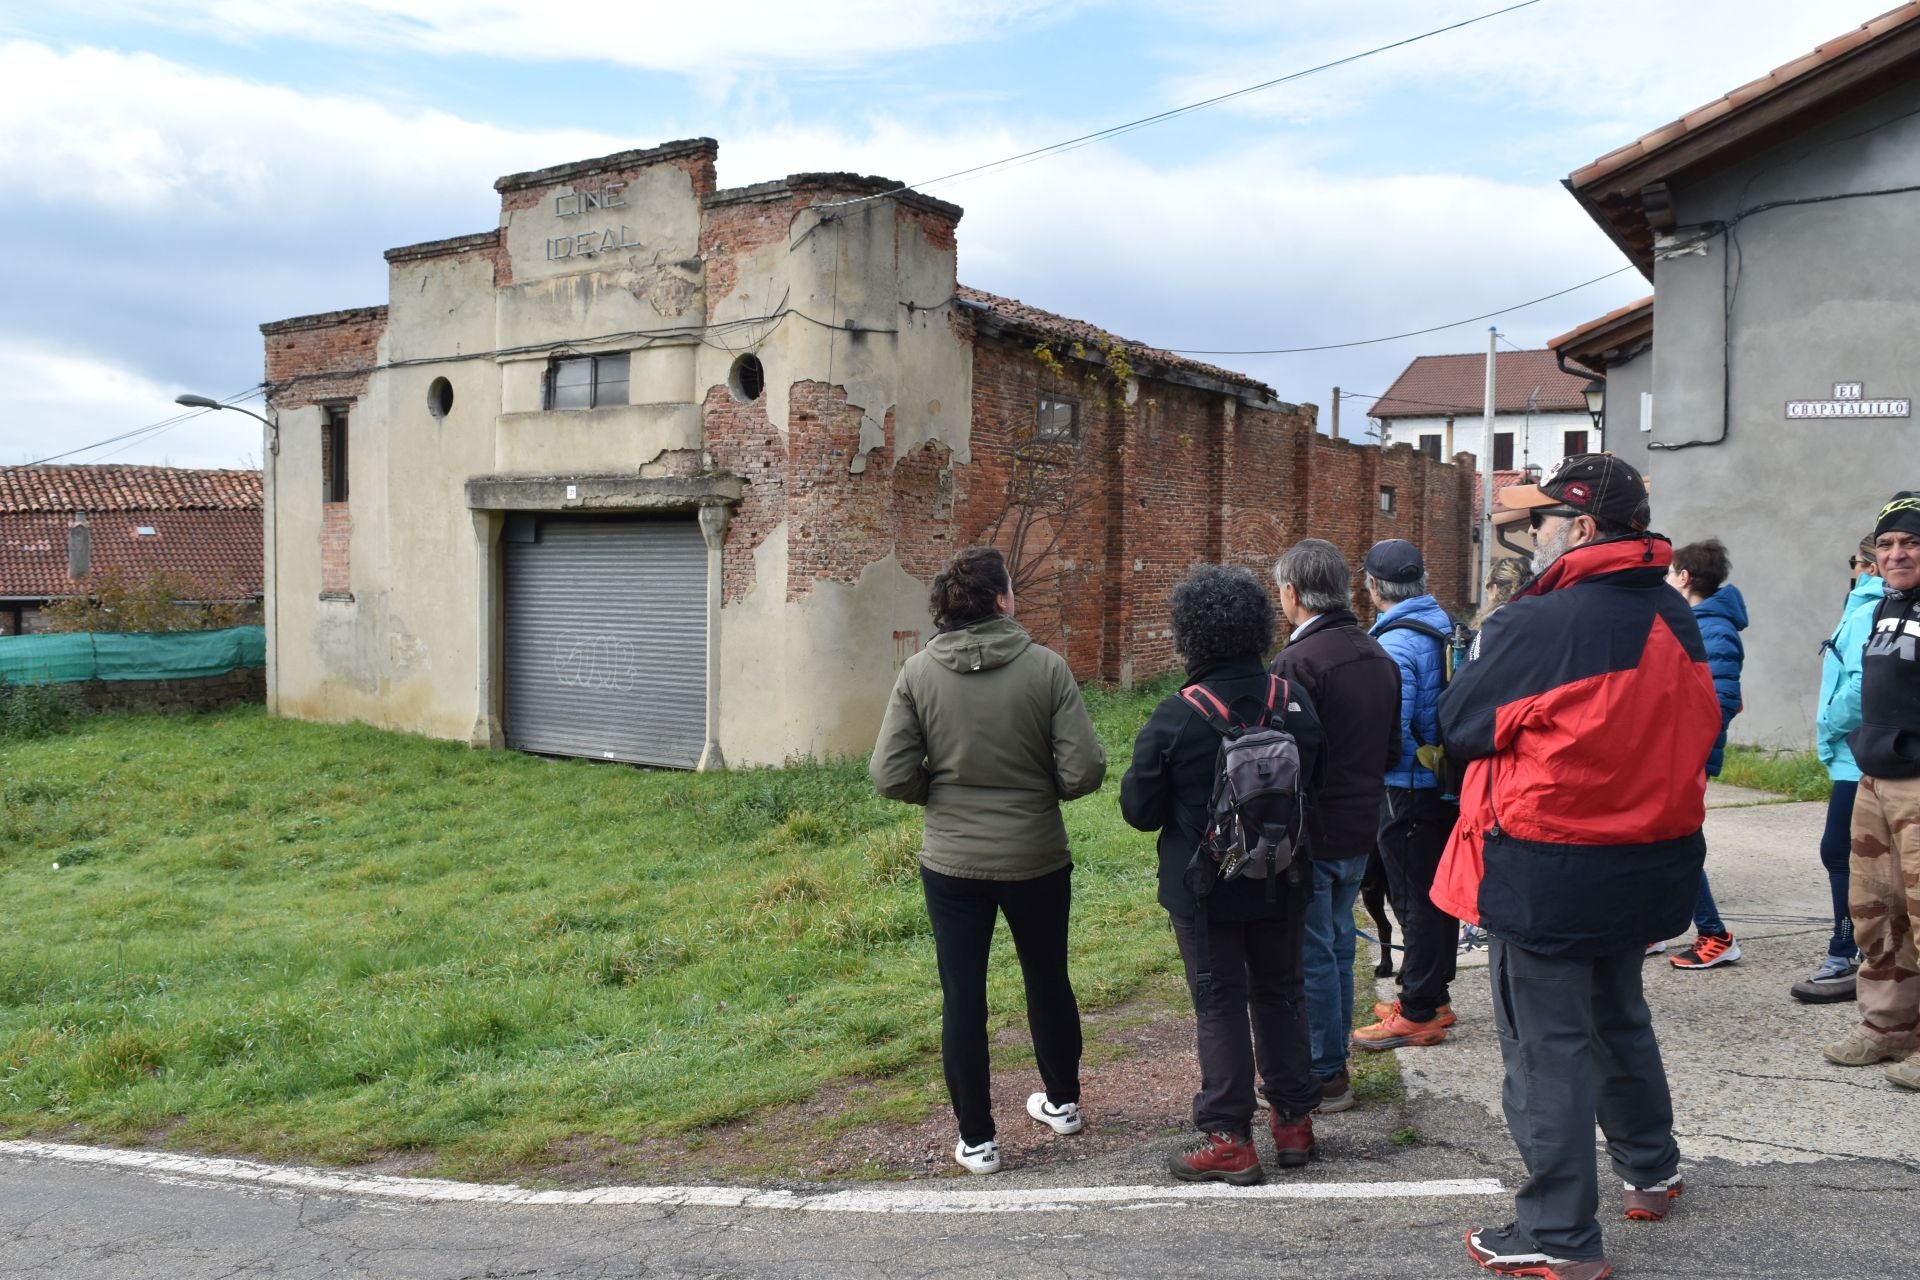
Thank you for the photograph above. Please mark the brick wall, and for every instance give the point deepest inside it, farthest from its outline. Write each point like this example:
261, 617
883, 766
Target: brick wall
208, 693
336, 545
324, 358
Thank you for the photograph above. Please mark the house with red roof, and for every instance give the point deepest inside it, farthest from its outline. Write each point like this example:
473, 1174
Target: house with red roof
63, 529
1772, 375
1438, 405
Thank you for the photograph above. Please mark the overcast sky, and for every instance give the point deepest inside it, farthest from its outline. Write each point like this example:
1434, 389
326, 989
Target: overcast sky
176, 173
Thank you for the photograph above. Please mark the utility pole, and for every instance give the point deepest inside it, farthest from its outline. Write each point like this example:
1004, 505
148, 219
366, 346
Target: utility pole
1336, 413
1486, 474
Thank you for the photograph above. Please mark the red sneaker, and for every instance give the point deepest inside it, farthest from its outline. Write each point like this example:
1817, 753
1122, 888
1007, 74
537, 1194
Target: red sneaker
1218, 1157
1650, 1204
1292, 1140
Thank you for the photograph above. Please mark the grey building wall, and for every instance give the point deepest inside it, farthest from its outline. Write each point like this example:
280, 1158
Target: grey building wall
1802, 297
1623, 438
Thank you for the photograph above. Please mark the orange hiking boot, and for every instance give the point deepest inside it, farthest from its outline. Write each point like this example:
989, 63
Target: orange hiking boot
1394, 1031
1442, 1017
1218, 1157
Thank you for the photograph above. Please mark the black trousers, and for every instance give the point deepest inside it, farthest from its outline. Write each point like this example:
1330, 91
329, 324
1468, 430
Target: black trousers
1576, 1040
963, 913
1258, 984
1414, 826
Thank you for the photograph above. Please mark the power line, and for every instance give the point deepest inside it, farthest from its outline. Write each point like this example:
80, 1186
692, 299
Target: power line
151, 429
1114, 131
1411, 333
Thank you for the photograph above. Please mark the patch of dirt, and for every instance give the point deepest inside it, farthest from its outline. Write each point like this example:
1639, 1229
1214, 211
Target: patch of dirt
1137, 1080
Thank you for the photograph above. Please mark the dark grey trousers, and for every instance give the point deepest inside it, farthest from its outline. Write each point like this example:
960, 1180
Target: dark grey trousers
1577, 1042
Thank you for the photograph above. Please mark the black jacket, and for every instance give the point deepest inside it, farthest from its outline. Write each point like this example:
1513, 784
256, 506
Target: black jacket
1887, 743
1171, 780
1355, 687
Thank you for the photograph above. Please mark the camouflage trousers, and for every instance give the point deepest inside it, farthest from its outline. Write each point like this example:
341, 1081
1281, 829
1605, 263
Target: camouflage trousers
1884, 898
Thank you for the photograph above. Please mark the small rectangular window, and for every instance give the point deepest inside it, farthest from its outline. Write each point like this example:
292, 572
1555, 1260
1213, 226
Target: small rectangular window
333, 457
1430, 445
1503, 451
1056, 419
1575, 444
1386, 499
588, 382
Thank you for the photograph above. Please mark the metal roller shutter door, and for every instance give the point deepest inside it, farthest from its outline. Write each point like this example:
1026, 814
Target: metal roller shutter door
606, 638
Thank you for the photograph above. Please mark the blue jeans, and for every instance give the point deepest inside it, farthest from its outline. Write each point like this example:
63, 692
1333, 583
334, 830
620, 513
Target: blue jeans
1327, 960
1706, 916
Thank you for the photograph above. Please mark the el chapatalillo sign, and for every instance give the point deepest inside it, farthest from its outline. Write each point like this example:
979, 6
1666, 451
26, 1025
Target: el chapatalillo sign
1849, 401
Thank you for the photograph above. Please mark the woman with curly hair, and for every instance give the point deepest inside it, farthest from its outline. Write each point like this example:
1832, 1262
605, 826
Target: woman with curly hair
987, 730
1222, 627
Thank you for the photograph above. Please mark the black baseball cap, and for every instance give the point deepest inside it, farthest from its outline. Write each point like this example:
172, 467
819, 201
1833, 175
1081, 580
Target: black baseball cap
1594, 484
1395, 560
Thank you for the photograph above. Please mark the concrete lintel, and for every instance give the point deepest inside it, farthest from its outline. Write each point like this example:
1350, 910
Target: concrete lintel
620, 492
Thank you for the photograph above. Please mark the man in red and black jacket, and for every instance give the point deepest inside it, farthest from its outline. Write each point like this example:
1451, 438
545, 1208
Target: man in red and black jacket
1587, 716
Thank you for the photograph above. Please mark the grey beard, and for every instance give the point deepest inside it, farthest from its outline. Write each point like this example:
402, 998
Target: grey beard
1552, 549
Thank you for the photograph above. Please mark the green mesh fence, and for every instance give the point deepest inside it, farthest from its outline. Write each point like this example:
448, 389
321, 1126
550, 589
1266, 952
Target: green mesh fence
102, 655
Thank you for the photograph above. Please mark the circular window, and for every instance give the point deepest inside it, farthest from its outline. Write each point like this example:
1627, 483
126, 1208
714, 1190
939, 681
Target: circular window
747, 379
440, 398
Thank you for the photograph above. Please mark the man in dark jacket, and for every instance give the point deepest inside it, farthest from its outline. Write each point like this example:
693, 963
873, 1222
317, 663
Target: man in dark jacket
1355, 689
1884, 888
1586, 719
1222, 625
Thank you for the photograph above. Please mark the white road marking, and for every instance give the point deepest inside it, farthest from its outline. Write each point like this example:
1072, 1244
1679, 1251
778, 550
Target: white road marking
861, 1200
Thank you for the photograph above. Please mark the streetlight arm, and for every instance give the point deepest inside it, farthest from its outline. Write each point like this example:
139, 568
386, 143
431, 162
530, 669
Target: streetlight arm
207, 402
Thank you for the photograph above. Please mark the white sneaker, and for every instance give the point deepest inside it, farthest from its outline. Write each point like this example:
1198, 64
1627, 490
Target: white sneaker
984, 1158
1064, 1118
1655, 948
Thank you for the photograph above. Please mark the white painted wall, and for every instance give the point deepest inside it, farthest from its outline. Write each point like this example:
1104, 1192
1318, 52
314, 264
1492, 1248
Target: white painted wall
1537, 438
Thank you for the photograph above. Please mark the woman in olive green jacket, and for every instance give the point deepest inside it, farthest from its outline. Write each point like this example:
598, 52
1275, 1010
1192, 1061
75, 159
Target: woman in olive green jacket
987, 730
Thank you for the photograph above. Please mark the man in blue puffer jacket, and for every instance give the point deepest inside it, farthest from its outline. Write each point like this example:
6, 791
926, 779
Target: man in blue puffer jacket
1699, 572
1416, 818
1839, 716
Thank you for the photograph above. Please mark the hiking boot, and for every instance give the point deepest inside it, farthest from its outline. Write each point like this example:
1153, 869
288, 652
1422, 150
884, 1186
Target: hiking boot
1218, 1157
1293, 1140
1506, 1251
1442, 1017
1651, 1203
1831, 983
1335, 1095
1858, 1049
983, 1157
1395, 1031
1906, 1073
1063, 1118
1709, 950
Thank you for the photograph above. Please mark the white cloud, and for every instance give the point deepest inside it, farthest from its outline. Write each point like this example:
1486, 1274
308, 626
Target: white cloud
748, 34
59, 400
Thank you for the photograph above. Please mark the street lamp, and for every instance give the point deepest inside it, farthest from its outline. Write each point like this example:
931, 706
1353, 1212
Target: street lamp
207, 402
1597, 402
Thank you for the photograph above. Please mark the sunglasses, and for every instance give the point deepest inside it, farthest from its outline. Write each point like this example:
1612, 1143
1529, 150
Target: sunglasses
1860, 562
1539, 515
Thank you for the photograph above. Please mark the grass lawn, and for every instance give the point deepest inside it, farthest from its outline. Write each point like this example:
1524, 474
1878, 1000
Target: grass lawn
336, 944
1792, 773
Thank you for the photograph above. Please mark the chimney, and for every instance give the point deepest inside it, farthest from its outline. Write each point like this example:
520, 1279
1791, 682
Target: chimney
79, 547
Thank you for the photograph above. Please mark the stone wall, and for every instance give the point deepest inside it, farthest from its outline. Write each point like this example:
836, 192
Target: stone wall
208, 693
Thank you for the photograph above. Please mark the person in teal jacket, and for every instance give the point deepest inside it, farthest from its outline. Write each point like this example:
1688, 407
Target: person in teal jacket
1838, 716
1699, 572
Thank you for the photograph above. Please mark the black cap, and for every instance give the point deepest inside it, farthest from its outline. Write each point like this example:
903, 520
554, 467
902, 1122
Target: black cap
1594, 484
1395, 560
1902, 514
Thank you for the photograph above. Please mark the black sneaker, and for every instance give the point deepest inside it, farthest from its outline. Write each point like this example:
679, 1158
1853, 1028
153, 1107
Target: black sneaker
1506, 1251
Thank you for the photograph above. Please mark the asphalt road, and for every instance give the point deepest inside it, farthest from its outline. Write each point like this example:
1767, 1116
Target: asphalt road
1794, 1169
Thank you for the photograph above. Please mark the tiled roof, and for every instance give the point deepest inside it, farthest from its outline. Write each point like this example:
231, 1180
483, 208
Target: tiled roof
1748, 93
116, 488
1435, 386
1017, 314
220, 549
1573, 336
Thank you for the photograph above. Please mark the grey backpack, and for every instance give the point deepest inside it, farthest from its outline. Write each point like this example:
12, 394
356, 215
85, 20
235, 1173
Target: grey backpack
1254, 814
